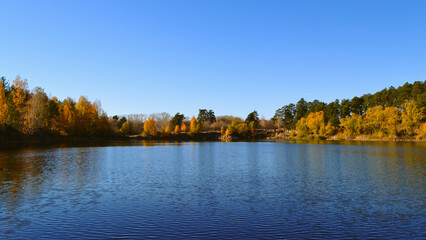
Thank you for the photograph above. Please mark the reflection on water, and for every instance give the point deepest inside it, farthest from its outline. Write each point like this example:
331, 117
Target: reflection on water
214, 190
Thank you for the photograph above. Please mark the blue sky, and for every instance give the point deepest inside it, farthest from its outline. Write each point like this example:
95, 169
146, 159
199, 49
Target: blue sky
230, 56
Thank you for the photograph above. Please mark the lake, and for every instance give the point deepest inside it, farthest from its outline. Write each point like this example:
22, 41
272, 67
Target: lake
216, 190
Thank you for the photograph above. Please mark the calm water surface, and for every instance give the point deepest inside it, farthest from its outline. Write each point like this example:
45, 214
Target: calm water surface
215, 190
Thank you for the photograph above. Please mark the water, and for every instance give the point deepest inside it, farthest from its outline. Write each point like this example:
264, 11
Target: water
214, 190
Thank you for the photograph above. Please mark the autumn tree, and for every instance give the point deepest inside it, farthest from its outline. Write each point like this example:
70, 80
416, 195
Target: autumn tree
302, 128
3, 105
177, 130
53, 114
67, 117
252, 125
411, 117
87, 116
352, 125
193, 128
315, 122
421, 132
19, 95
330, 129
104, 126
125, 128
149, 128
183, 127
374, 121
36, 114
237, 127
392, 121
167, 131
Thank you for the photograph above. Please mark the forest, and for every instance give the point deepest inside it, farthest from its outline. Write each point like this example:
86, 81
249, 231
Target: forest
393, 113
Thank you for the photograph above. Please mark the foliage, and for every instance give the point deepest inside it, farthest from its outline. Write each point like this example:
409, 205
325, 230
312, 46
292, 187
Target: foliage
392, 112
183, 127
125, 128
237, 127
391, 122
253, 117
3, 105
149, 128
421, 132
301, 109
330, 129
315, 122
19, 96
177, 129
352, 125
206, 116
36, 114
121, 121
411, 116
167, 130
252, 126
193, 128
302, 128
177, 120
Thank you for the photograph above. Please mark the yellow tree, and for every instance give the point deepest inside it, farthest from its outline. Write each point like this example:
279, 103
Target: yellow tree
233, 126
53, 107
315, 122
411, 116
193, 128
167, 130
183, 127
301, 128
374, 121
392, 121
149, 127
330, 129
19, 97
242, 128
125, 128
421, 132
36, 114
104, 126
352, 125
3, 105
67, 117
85, 116
253, 126
177, 129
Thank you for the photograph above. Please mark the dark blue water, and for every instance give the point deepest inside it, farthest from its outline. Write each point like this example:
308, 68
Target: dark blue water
215, 190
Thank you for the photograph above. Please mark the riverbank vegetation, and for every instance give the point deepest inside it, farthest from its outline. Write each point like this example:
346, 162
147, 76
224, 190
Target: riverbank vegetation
393, 113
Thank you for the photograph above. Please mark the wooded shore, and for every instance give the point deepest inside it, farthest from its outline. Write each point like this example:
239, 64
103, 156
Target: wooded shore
16, 140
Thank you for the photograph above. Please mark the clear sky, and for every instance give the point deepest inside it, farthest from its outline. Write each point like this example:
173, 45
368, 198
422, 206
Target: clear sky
230, 56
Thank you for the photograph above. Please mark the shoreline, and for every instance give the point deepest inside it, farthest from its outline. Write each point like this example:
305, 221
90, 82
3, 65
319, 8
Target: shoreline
36, 141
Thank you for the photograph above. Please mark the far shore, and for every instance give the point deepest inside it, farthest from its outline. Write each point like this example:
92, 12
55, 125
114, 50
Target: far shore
213, 136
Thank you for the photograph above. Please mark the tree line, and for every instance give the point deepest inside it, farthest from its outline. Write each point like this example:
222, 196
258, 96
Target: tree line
390, 113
